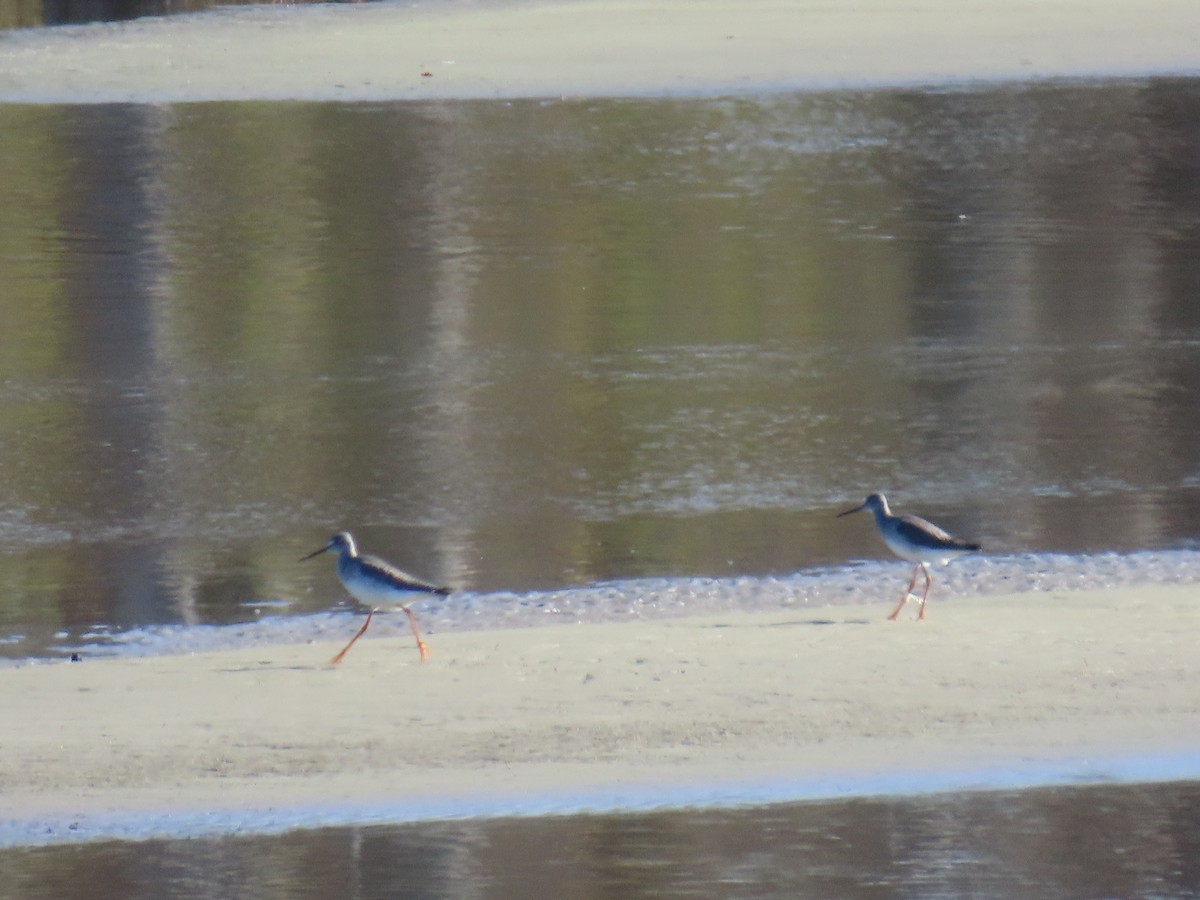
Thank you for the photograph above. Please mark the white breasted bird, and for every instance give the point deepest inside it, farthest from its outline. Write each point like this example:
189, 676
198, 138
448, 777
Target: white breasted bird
916, 540
377, 584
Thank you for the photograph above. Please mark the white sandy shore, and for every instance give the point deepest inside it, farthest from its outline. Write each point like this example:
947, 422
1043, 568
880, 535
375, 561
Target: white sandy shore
444, 50
830, 696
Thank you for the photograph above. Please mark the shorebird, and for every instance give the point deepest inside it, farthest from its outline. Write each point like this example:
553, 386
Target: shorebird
913, 539
378, 585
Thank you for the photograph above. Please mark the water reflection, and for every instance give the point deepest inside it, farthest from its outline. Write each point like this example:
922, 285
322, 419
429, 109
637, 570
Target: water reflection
527, 345
1098, 841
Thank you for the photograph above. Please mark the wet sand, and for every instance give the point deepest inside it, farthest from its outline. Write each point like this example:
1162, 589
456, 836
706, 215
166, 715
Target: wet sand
499, 717
441, 50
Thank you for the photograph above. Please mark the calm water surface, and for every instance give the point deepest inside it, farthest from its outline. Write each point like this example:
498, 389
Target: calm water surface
532, 346
1083, 842
570, 349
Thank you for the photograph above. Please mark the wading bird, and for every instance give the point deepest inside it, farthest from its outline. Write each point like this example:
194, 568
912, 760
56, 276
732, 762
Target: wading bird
377, 584
913, 539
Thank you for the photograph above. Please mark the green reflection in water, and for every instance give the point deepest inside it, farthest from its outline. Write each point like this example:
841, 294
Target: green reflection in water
531, 344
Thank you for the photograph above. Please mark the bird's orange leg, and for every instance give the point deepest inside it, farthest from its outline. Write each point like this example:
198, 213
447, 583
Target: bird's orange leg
412, 623
912, 583
925, 596
337, 659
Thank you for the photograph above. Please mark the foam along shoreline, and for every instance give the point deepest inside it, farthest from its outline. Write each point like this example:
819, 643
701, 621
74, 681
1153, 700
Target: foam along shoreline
854, 586
510, 49
267, 738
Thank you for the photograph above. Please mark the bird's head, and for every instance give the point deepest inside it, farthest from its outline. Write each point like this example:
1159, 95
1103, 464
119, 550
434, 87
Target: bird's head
342, 542
876, 503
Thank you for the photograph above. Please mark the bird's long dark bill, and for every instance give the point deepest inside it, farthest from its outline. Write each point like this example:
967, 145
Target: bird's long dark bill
856, 509
314, 553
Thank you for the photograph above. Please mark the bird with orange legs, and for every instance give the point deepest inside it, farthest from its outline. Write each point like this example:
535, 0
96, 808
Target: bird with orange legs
377, 584
916, 540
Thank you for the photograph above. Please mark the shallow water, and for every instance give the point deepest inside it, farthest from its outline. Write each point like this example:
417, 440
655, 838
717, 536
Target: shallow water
522, 347
1065, 842
594, 359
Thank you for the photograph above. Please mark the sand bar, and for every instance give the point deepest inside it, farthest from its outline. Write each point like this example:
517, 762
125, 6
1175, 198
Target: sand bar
498, 719
509, 49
